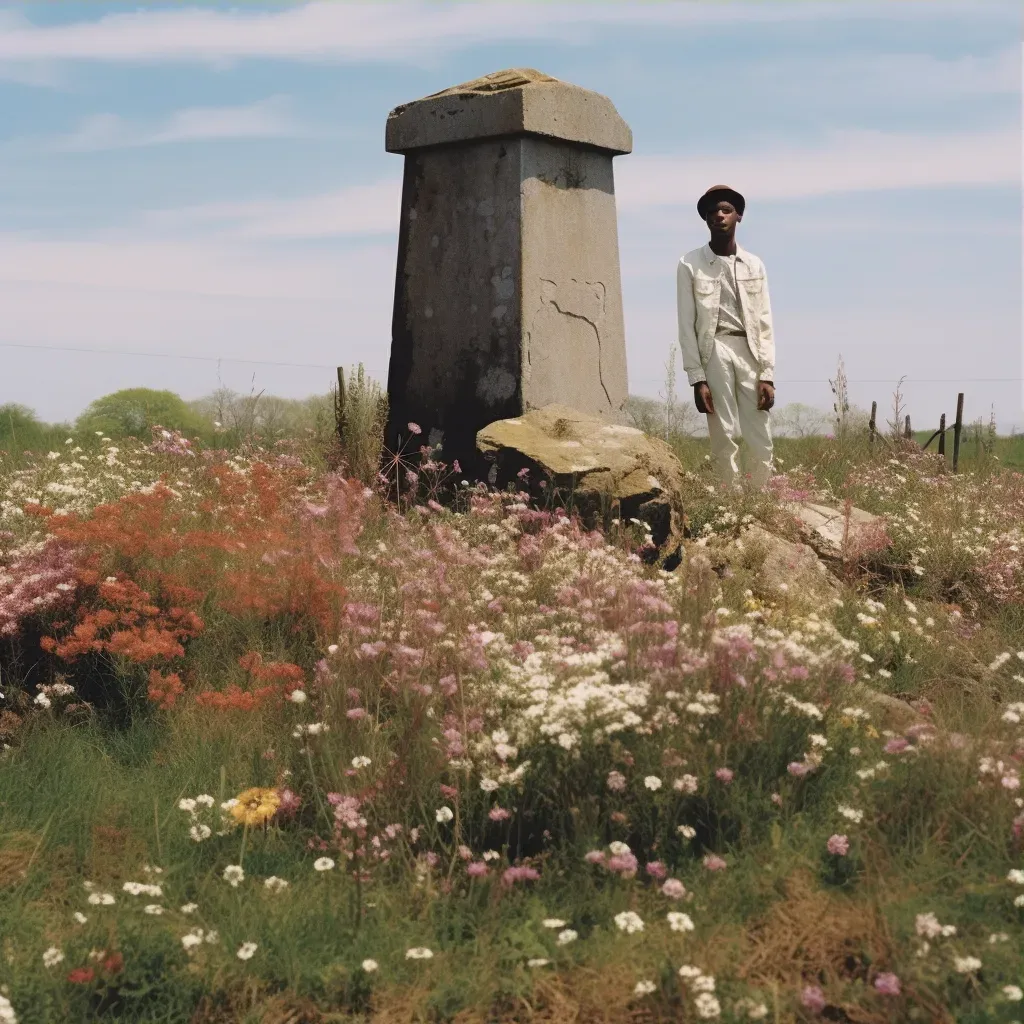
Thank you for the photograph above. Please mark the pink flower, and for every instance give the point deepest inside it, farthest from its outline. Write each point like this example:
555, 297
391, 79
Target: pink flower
798, 768
595, 857
896, 745
414, 428
476, 869
776, 799
839, 845
673, 889
449, 791
520, 874
355, 714
888, 984
724, 775
499, 814
624, 863
616, 782
813, 998
714, 863
288, 802
656, 869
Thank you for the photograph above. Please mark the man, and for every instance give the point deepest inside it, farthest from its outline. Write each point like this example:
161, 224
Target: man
725, 332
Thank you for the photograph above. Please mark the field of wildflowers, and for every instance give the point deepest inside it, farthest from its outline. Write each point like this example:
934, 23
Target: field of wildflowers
276, 749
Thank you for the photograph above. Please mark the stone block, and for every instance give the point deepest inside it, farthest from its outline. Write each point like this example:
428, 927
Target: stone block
507, 294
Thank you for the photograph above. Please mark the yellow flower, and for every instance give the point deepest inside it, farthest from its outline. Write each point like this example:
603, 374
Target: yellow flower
255, 806
872, 732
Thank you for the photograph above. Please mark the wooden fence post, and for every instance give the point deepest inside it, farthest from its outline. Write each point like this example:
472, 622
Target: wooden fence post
339, 406
942, 435
906, 428
957, 428
871, 422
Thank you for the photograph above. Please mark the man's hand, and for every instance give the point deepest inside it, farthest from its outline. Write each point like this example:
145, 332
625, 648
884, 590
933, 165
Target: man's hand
765, 395
702, 398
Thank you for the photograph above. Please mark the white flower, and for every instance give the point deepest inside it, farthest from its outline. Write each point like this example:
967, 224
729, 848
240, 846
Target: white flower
418, 953
704, 983
246, 950
538, 961
488, 785
297, 696
200, 832
233, 875
142, 888
491, 855
443, 815
205, 800
629, 921
323, 864
686, 831
653, 783
153, 908
42, 700
52, 957
1013, 993
1016, 876
707, 1006
553, 922
966, 964
567, 936
644, 988
186, 804
619, 849
688, 971
98, 898
192, 939
370, 966
189, 908
275, 884
361, 762
7, 1014
686, 784
679, 922
851, 813
80, 917
1019, 900
817, 740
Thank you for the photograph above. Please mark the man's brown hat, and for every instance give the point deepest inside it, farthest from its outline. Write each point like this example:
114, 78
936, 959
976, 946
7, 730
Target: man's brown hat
717, 193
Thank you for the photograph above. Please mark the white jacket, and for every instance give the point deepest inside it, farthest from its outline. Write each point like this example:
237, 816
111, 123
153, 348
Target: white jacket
698, 289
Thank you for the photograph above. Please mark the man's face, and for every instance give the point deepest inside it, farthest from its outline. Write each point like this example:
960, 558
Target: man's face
723, 218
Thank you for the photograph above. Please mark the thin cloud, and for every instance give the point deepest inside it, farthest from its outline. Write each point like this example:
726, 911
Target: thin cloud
265, 119
858, 161
849, 161
334, 31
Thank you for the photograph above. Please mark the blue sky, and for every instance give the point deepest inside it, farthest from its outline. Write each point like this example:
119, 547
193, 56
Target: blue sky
208, 181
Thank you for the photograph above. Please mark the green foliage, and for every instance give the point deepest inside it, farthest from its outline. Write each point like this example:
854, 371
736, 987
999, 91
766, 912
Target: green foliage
133, 412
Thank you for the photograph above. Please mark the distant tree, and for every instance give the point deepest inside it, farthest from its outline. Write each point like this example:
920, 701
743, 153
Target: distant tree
21, 429
133, 411
799, 420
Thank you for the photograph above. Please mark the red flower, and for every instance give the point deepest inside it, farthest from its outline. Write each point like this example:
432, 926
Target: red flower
81, 975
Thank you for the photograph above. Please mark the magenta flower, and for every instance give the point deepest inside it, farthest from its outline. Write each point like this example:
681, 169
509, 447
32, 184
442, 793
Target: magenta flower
813, 998
714, 863
725, 775
839, 845
888, 984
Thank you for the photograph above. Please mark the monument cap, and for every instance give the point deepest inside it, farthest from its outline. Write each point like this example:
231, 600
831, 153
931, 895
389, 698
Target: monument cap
716, 193
516, 101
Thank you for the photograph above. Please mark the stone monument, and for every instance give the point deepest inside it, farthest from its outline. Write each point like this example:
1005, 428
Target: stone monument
507, 292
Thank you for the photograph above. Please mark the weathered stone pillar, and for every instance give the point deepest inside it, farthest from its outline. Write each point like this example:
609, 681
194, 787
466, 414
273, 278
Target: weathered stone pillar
507, 294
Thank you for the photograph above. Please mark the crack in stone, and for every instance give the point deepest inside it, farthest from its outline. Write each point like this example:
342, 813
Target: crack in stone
585, 319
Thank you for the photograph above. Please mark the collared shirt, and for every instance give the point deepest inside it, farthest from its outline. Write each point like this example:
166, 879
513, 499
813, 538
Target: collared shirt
730, 312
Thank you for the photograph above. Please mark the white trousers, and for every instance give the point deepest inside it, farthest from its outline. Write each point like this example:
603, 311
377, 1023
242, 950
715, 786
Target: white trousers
732, 375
